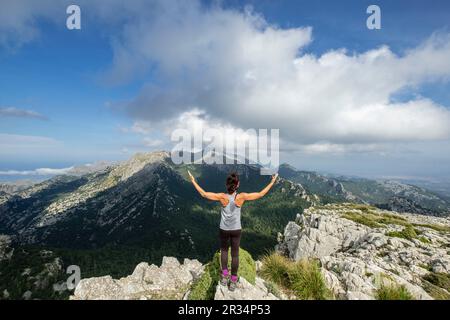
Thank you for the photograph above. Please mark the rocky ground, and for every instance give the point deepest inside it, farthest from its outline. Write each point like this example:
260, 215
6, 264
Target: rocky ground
171, 280
361, 248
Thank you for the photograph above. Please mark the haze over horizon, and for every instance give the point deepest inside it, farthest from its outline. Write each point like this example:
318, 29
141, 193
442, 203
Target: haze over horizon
347, 100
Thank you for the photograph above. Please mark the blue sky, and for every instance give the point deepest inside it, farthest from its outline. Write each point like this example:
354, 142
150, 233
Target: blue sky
105, 91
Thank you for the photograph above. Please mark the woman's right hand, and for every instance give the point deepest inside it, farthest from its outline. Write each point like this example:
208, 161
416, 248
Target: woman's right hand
274, 177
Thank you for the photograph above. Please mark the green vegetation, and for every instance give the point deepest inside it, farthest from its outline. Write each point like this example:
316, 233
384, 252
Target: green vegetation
436, 227
276, 268
425, 266
365, 219
357, 206
303, 278
307, 281
204, 288
423, 239
273, 288
31, 269
407, 233
393, 292
439, 279
437, 285
375, 220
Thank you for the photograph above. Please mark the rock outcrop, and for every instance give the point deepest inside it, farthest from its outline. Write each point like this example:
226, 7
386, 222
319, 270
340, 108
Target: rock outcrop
169, 281
362, 248
245, 291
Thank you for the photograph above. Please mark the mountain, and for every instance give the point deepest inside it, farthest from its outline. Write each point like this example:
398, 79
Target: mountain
110, 217
147, 201
10, 188
142, 209
385, 194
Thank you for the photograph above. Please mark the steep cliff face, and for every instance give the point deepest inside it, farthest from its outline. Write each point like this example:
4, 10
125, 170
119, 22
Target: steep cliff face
362, 248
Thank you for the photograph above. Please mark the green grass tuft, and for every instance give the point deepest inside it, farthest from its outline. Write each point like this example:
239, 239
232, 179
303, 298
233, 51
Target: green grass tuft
407, 233
393, 292
307, 281
303, 278
275, 268
365, 219
205, 287
435, 291
435, 227
375, 220
439, 279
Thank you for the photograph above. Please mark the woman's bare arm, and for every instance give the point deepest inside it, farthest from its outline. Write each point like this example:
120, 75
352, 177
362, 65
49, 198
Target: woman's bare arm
208, 195
256, 195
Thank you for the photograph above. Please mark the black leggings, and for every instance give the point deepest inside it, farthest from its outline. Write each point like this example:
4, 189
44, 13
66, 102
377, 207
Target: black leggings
227, 236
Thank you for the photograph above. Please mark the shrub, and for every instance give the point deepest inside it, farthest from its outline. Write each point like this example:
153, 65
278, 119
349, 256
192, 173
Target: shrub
275, 268
439, 279
408, 233
307, 281
393, 292
273, 288
375, 220
303, 278
435, 227
435, 291
365, 219
205, 287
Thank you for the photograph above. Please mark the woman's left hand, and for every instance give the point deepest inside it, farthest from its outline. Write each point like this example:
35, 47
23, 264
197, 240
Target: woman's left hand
191, 176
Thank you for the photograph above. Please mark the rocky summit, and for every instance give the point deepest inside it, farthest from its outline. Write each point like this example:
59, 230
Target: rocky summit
171, 280
362, 248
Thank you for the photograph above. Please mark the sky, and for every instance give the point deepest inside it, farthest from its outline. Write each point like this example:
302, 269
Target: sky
346, 99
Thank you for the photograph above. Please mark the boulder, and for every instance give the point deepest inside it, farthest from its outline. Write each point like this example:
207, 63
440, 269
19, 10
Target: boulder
169, 281
245, 291
356, 252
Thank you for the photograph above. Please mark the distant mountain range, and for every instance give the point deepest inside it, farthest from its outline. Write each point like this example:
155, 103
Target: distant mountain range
385, 194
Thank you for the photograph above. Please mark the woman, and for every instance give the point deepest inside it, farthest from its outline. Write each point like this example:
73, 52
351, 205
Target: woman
230, 222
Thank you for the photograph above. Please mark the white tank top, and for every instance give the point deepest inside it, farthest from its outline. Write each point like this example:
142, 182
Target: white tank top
230, 216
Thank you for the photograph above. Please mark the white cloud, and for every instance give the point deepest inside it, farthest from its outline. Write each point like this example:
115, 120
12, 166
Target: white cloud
243, 72
36, 172
20, 113
18, 20
238, 69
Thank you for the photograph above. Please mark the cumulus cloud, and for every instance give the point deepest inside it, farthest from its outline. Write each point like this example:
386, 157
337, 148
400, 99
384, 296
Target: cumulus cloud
18, 20
21, 113
243, 72
239, 69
